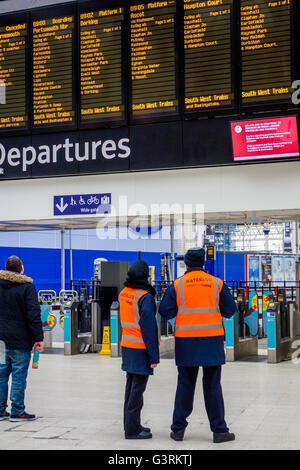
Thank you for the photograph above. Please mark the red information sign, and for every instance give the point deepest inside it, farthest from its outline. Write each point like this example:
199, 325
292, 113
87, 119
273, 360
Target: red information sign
265, 138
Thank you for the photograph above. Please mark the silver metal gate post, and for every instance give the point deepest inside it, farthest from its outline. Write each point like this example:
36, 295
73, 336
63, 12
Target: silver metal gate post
71, 255
63, 265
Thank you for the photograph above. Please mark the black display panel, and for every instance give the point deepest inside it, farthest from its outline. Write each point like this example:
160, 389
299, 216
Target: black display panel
266, 51
208, 55
52, 42
13, 75
153, 60
101, 69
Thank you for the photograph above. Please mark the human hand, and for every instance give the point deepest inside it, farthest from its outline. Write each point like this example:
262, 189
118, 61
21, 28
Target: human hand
39, 346
153, 366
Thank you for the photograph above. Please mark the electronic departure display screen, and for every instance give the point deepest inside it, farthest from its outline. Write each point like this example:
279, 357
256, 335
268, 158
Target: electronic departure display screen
13, 86
153, 59
207, 46
102, 97
266, 51
53, 71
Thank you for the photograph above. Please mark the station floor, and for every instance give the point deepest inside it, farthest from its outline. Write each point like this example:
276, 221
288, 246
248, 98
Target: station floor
79, 404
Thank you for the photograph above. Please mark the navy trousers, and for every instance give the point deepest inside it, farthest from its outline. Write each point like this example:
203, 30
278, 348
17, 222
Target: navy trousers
135, 387
213, 396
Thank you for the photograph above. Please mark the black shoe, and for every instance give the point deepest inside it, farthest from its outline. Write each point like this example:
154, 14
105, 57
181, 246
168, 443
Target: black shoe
22, 417
4, 416
177, 435
141, 435
223, 437
146, 429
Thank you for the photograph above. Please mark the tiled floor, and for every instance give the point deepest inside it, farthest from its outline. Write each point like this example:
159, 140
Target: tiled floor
79, 402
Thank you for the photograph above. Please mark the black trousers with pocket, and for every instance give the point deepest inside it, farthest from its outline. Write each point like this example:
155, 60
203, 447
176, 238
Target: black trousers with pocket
213, 397
135, 387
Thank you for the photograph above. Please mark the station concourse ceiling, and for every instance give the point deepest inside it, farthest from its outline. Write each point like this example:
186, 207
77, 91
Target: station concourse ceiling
257, 217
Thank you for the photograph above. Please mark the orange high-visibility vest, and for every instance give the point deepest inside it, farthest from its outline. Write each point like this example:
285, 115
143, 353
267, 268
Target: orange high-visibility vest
198, 296
130, 316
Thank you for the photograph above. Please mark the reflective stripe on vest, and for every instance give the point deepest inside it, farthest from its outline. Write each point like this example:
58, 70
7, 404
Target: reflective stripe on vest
136, 340
184, 310
210, 329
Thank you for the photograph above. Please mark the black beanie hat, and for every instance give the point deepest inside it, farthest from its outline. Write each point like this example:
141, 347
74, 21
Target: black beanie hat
138, 271
195, 258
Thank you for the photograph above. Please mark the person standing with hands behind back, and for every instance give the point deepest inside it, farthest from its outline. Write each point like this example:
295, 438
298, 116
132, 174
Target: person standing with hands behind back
20, 330
198, 301
140, 348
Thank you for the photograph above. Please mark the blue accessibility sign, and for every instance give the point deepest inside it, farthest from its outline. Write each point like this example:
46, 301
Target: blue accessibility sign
82, 204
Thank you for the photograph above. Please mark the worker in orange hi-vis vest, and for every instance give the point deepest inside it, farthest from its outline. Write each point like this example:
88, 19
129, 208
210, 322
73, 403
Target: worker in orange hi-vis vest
140, 347
198, 301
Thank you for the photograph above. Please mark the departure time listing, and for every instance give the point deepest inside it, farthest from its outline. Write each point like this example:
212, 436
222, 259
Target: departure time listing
153, 63
207, 45
266, 50
52, 71
13, 76
101, 64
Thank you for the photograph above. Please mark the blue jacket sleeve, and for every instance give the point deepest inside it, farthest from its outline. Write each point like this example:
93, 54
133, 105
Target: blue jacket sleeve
168, 307
148, 324
227, 303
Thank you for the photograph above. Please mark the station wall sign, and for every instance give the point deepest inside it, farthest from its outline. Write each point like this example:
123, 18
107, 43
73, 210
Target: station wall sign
82, 204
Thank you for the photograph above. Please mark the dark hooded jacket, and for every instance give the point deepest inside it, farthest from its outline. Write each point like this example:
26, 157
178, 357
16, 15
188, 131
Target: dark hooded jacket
138, 361
20, 313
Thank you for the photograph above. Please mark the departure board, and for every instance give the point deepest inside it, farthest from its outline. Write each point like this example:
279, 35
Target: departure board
153, 60
207, 45
101, 65
13, 109
266, 51
52, 71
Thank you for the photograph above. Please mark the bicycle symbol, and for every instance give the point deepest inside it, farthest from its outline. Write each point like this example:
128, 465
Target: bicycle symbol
93, 200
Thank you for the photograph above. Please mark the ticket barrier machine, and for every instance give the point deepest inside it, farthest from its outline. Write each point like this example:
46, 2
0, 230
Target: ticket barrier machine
115, 330
47, 299
281, 318
68, 299
84, 324
88, 316
81, 323
241, 330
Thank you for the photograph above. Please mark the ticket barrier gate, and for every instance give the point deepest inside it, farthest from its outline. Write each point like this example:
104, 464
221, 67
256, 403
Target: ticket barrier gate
281, 330
89, 314
47, 299
241, 330
115, 330
68, 299
81, 321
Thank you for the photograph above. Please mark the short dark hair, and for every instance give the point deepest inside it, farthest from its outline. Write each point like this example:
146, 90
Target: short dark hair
13, 263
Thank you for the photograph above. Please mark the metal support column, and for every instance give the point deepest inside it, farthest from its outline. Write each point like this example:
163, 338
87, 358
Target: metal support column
172, 230
71, 255
224, 246
63, 261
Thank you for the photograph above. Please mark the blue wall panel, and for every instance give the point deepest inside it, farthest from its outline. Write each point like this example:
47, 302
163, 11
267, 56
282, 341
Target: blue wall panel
44, 265
235, 266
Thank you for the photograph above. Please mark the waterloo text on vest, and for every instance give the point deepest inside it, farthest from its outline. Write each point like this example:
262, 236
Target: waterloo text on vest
69, 151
